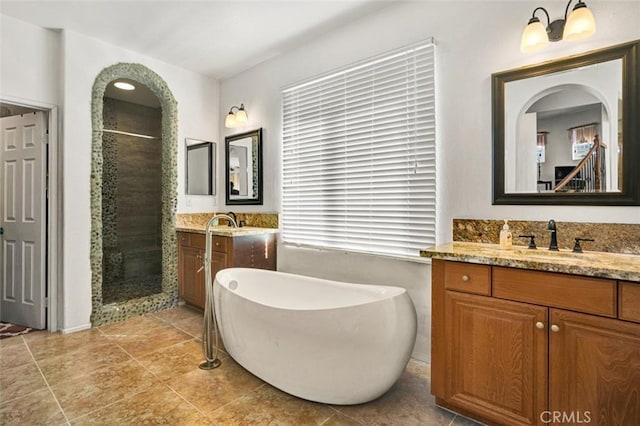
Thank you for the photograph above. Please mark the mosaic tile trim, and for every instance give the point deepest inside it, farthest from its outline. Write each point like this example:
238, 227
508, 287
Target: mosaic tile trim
102, 314
199, 220
609, 237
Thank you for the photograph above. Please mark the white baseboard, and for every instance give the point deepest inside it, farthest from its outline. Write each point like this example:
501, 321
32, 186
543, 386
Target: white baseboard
77, 328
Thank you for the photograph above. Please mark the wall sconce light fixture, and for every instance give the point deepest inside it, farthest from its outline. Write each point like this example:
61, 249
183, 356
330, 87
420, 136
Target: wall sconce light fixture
579, 24
236, 119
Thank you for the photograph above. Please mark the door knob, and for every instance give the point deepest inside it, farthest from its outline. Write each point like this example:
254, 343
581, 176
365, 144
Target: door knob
555, 328
539, 324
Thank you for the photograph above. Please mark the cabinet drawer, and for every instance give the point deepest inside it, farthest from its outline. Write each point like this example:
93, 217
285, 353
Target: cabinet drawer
629, 299
195, 240
583, 294
467, 278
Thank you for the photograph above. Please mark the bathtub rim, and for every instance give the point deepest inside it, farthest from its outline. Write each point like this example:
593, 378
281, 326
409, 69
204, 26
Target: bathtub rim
394, 291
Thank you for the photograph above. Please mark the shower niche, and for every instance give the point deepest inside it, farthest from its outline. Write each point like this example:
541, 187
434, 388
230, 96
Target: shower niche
131, 193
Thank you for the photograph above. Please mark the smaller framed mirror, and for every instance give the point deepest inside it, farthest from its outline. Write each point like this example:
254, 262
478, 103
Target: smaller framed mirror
243, 159
201, 173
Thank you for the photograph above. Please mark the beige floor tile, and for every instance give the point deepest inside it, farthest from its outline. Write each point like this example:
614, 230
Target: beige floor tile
81, 395
20, 381
211, 389
180, 313
142, 338
339, 419
268, 405
131, 327
408, 402
10, 341
81, 361
176, 360
192, 326
44, 344
160, 406
464, 421
13, 356
37, 408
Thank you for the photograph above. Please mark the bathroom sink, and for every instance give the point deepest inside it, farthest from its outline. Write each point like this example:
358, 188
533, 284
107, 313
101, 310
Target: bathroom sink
546, 255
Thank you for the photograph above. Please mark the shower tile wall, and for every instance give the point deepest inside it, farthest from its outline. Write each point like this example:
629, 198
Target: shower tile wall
132, 205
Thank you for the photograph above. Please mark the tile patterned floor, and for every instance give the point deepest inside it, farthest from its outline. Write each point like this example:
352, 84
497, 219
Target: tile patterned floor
145, 371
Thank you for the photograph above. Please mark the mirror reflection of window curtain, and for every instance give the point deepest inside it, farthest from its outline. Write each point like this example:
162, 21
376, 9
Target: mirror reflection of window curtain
582, 134
582, 138
541, 142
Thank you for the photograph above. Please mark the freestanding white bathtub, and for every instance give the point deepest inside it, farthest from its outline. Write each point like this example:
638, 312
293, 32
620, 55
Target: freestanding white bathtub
321, 340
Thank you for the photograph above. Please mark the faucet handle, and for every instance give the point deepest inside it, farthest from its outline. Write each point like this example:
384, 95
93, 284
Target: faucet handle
532, 241
577, 248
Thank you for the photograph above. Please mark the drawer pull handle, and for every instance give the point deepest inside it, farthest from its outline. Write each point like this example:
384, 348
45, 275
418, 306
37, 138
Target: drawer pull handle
540, 325
465, 278
555, 328
217, 244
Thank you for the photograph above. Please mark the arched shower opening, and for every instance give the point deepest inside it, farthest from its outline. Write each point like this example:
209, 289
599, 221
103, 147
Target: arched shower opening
133, 195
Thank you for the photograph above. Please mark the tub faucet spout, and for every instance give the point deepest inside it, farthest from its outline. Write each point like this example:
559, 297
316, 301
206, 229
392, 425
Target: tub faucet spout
553, 244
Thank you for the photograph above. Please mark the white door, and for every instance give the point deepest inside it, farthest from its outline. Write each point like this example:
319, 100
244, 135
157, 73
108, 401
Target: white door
23, 219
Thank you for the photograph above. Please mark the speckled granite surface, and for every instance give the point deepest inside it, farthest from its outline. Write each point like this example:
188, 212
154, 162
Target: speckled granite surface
226, 231
257, 220
593, 264
609, 237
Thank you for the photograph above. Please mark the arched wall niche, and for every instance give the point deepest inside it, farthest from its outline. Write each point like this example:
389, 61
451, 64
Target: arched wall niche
103, 314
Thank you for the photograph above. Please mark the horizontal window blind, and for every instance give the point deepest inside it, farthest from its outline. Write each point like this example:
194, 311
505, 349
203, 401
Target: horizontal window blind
359, 156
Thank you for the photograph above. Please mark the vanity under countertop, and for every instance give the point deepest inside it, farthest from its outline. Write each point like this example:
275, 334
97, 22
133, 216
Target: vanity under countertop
520, 333
590, 263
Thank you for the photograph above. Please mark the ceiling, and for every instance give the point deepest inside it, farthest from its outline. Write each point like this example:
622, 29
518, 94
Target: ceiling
217, 38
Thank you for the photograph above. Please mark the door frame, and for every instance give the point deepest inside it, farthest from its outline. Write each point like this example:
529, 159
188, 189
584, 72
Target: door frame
53, 185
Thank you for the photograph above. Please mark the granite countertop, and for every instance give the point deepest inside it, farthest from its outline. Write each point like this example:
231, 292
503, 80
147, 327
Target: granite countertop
595, 264
227, 231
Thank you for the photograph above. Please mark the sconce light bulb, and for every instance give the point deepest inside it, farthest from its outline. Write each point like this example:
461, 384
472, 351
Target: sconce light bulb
241, 116
580, 23
230, 121
534, 36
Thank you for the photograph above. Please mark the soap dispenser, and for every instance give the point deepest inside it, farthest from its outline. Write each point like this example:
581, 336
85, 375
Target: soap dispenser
506, 239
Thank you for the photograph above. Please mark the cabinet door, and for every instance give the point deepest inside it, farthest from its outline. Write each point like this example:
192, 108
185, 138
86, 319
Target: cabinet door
496, 358
595, 368
192, 274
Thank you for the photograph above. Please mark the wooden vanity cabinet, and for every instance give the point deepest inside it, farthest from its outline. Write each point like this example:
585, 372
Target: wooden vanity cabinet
248, 251
512, 355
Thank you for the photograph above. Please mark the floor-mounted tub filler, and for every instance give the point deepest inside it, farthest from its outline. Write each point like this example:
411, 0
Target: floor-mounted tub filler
320, 340
210, 346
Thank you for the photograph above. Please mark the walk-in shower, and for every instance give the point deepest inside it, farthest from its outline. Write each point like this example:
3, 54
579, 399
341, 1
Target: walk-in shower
133, 195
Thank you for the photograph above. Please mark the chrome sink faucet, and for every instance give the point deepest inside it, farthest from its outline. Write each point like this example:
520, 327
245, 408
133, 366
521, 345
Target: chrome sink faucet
553, 244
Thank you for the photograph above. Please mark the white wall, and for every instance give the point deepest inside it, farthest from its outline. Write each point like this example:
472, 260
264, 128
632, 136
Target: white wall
29, 62
59, 69
198, 118
474, 40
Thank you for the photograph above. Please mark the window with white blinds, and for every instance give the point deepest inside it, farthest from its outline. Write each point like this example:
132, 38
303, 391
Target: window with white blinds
359, 156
